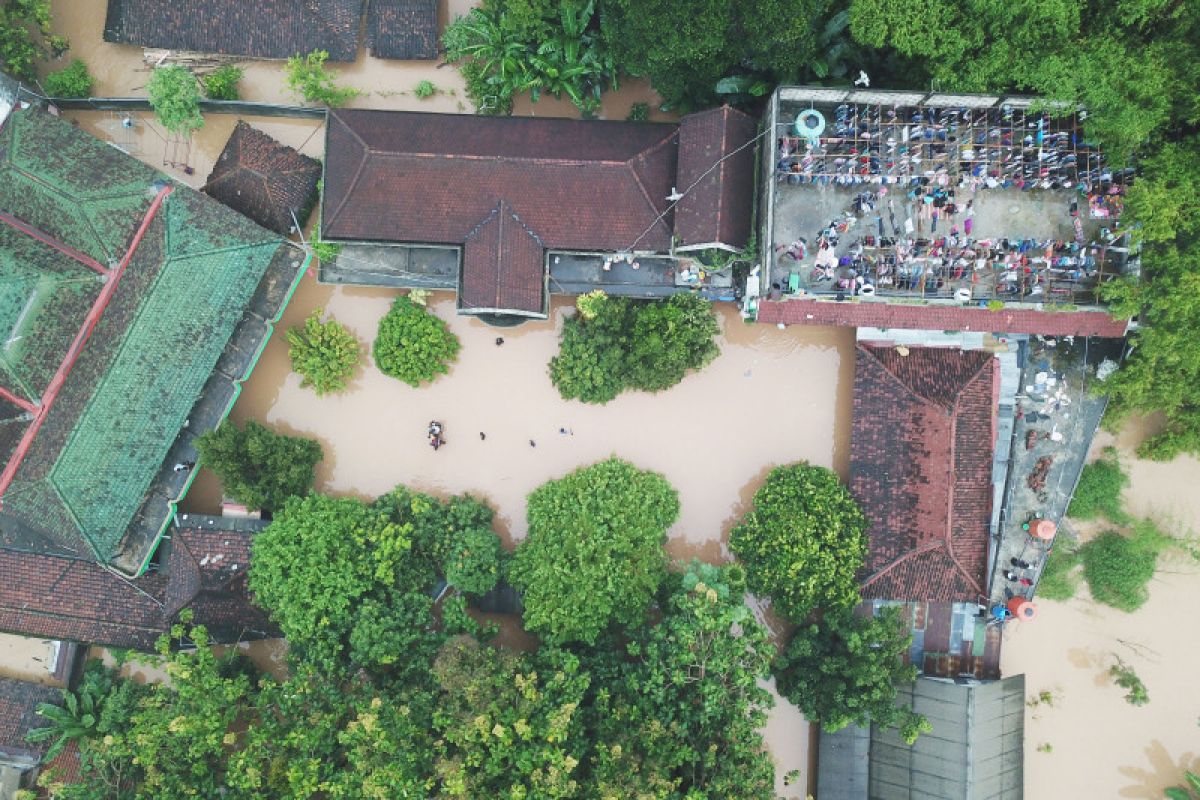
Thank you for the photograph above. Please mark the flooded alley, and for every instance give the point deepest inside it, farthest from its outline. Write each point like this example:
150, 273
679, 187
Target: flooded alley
771, 397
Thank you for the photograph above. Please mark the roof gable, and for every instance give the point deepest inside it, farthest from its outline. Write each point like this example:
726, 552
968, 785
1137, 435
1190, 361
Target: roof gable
265, 180
503, 267
921, 457
716, 175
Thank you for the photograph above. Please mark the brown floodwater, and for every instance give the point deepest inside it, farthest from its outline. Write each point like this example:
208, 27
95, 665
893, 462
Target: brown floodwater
771, 397
25, 658
120, 71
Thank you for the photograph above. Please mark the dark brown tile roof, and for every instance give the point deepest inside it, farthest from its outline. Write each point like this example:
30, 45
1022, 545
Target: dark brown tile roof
431, 178
265, 180
503, 266
942, 317
63, 598
718, 208
921, 448
18, 715
403, 29
274, 29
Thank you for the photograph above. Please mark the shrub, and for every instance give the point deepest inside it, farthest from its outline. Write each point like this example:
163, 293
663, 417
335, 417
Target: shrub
639, 112
1059, 577
594, 555
425, 89
307, 77
413, 344
73, 80
258, 467
616, 344
175, 98
1124, 676
323, 250
1118, 568
1099, 490
221, 83
324, 353
804, 541
474, 563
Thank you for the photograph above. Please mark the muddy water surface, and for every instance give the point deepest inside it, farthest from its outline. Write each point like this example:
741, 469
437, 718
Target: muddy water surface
770, 398
25, 658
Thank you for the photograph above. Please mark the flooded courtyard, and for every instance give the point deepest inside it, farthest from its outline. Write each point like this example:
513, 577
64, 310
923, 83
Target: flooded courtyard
771, 397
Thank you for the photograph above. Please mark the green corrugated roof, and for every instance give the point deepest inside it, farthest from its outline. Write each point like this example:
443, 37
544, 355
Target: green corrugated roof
174, 311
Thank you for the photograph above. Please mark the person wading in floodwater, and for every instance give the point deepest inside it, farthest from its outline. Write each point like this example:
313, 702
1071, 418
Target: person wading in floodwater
435, 435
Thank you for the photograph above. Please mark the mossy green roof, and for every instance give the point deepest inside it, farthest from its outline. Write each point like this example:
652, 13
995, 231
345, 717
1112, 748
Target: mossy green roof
186, 288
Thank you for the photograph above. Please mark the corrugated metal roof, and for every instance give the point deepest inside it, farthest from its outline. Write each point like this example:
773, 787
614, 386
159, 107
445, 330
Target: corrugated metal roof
974, 752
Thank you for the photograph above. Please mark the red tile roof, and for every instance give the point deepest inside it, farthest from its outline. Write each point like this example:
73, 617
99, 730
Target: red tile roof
432, 178
18, 715
403, 29
64, 598
941, 317
503, 265
718, 207
276, 29
921, 448
264, 179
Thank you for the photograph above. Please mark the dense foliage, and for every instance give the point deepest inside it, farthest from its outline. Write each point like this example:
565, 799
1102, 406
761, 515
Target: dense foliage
803, 542
258, 467
682, 713
615, 344
221, 83
324, 353
1163, 372
671, 712
73, 80
509, 47
1118, 568
413, 344
844, 670
349, 582
25, 36
1099, 491
308, 78
594, 553
175, 98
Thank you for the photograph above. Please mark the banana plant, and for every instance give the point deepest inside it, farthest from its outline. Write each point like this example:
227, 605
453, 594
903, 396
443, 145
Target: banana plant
1189, 792
75, 719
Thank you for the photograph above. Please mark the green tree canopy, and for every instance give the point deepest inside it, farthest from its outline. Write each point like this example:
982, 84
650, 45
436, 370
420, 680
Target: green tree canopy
615, 343
25, 37
1163, 372
258, 467
175, 98
682, 711
509, 725
413, 344
594, 555
844, 670
803, 542
324, 353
